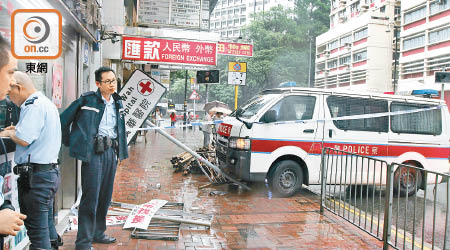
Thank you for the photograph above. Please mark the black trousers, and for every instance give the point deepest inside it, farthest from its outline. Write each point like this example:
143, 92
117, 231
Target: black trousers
37, 204
97, 180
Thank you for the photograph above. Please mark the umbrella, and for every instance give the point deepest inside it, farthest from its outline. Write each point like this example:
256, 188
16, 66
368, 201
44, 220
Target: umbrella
223, 110
213, 104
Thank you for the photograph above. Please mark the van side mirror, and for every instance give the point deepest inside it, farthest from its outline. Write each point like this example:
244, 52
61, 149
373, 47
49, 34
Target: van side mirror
269, 116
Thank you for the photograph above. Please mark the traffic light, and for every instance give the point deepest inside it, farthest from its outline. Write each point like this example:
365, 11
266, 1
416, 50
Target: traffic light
442, 77
208, 76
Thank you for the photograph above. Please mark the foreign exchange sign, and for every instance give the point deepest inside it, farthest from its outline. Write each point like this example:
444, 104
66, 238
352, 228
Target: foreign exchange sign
168, 51
236, 49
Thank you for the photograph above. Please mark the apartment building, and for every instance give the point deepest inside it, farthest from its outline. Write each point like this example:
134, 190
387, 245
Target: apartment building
425, 44
357, 51
230, 16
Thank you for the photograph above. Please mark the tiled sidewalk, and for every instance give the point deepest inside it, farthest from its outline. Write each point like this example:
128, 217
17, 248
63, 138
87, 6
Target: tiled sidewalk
243, 219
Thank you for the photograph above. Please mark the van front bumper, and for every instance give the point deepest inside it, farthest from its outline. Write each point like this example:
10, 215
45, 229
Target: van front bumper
237, 163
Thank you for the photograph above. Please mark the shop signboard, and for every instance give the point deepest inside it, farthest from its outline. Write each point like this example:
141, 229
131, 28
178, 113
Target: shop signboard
139, 96
235, 49
162, 76
184, 13
168, 51
141, 215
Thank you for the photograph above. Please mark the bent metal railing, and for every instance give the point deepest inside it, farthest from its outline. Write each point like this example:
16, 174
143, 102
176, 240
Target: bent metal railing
387, 200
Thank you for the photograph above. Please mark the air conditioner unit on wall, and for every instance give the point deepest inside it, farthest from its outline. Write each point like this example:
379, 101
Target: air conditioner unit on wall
348, 45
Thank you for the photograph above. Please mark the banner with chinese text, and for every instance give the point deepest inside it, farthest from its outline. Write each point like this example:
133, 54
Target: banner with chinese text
168, 51
141, 215
139, 96
235, 49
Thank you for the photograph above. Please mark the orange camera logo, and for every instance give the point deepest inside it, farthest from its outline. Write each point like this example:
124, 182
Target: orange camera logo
36, 34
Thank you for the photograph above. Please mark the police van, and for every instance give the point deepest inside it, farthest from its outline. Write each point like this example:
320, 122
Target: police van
278, 135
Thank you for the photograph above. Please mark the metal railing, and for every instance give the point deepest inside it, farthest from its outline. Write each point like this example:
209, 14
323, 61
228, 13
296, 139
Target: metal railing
387, 200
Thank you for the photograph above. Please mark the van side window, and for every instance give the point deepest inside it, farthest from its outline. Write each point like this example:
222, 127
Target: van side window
296, 107
426, 122
347, 106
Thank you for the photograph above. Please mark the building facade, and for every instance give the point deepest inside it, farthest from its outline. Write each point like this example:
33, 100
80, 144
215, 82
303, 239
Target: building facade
357, 51
230, 16
425, 44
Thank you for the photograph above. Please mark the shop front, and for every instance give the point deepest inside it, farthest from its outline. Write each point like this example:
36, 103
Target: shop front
62, 80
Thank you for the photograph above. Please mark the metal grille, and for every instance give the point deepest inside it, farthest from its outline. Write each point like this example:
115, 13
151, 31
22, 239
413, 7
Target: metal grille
386, 200
221, 156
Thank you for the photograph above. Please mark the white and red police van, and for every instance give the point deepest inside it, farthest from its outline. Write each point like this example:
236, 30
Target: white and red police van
279, 134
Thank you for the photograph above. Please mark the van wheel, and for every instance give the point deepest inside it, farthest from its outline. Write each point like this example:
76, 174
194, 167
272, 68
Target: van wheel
286, 179
409, 181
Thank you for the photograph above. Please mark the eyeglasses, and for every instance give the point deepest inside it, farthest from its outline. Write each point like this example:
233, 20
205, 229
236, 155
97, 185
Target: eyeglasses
109, 82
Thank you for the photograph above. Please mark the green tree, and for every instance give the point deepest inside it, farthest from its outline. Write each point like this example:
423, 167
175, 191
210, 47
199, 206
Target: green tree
281, 52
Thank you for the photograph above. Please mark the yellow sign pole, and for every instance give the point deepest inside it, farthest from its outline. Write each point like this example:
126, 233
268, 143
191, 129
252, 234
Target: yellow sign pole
236, 89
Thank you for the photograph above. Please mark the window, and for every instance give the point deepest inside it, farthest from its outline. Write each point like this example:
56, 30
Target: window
397, 10
415, 42
347, 106
440, 35
346, 39
360, 34
292, 108
243, 20
334, 44
439, 6
354, 7
383, 9
345, 59
332, 64
425, 122
360, 56
333, 4
415, 15
252, 106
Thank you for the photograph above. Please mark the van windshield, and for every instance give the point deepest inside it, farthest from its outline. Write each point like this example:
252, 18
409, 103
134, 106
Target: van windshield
253, 106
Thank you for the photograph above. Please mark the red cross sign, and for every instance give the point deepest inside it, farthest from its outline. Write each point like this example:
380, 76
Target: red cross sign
145, 87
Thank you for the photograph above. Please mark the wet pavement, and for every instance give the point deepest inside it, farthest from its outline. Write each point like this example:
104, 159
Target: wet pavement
242, 219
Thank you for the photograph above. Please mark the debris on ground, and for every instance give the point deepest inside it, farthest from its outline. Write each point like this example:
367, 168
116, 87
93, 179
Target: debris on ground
166, 223
217, 193
188, 164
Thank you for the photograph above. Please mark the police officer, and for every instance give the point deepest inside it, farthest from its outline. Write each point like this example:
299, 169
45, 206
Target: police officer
38, 140
95, 131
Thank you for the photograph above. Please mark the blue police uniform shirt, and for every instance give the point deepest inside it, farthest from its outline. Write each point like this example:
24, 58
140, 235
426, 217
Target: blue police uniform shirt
40, 127
2, 199
108, 123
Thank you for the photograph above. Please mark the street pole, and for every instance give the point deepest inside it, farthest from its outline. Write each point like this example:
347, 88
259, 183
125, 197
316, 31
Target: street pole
395, 58
236, 89
207, 93
310, 62
185, 98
